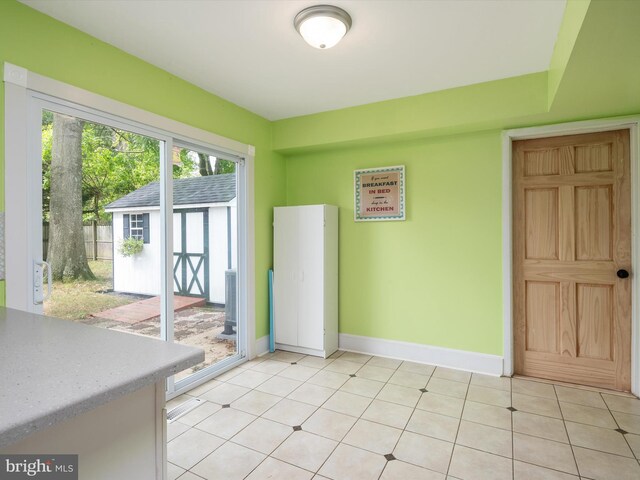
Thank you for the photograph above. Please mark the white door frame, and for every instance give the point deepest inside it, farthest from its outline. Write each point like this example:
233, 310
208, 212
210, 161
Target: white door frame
591, 126
21, 86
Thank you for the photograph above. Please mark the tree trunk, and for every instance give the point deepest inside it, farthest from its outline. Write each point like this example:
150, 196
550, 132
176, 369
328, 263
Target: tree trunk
67, 255
218, 168
205, 165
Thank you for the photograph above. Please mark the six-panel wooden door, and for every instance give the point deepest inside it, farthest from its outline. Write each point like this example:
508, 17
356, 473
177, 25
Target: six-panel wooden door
571, 245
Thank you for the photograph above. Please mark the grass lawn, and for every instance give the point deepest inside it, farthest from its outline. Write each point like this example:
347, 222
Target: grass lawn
77, 299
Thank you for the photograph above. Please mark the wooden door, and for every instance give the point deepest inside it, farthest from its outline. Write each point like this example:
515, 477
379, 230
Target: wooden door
572, 236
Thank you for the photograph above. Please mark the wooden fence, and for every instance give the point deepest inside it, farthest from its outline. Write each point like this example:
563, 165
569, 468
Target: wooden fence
98, 240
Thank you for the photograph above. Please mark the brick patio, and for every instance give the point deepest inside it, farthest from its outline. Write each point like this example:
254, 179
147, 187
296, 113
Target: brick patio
147, 309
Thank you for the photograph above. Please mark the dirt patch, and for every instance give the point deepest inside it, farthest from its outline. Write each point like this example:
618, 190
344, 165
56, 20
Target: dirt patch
198, 327
80, 300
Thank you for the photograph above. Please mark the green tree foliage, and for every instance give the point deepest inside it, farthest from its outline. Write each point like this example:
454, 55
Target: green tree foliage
205, 162
224, 166
114, 163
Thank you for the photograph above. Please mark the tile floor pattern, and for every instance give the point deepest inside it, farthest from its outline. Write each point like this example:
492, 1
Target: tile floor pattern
356, 417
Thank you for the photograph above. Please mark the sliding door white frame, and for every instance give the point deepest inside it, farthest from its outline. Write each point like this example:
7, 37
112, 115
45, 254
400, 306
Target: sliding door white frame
26, 92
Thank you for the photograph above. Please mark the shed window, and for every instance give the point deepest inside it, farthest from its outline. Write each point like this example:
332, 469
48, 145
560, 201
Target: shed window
136, 225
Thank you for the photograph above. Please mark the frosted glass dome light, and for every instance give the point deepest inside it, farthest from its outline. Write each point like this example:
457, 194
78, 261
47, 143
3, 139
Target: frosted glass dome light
322, 26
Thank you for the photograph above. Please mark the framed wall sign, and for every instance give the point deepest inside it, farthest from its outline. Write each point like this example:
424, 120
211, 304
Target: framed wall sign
379, 194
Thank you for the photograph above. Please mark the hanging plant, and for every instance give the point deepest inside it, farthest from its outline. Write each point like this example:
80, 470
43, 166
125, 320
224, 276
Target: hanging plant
130, 247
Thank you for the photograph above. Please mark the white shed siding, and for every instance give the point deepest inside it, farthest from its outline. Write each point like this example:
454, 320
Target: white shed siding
234, 234
218, 260
139, 273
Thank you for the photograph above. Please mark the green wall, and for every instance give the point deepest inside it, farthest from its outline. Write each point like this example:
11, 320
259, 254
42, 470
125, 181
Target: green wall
483, 106
602, 75
434, 278
574, 14
48, 47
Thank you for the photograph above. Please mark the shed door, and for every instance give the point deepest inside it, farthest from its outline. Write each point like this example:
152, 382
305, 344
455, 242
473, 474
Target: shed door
572, 243
191, 252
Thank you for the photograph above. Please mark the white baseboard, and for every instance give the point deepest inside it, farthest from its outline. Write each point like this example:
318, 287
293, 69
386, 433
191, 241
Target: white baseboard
415, 352
262, 345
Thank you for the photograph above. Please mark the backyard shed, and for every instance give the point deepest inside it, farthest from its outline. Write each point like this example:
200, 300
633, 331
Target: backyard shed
204, 237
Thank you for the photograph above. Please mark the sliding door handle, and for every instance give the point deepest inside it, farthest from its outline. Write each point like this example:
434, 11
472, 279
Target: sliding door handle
39, 297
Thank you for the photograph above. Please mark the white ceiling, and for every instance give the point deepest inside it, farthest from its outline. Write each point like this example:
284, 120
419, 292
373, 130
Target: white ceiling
248, 52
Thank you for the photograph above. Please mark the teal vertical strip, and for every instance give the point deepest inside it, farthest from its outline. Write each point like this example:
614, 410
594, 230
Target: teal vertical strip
272, 338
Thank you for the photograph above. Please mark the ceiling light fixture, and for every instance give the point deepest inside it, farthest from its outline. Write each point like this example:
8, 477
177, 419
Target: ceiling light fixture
322, 26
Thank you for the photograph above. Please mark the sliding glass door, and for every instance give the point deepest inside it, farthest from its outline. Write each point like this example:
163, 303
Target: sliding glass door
104, 267
136, 230
205, 258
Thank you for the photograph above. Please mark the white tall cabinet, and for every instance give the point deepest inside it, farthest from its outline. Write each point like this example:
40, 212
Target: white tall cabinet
305, 286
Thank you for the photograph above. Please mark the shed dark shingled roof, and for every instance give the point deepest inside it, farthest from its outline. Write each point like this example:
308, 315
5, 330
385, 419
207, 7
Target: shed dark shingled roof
186, 191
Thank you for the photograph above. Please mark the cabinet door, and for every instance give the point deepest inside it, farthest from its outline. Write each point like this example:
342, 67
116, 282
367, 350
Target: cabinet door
311, 286
286, 273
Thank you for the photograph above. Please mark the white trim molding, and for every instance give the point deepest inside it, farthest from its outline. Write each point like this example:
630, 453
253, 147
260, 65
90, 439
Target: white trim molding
15, 75
26, 79
416, 352
631, 123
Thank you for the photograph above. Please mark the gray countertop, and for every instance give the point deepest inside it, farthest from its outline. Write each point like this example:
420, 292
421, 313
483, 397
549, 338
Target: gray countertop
52, 369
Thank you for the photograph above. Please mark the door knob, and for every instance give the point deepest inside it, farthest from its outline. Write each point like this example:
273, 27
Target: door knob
622, 273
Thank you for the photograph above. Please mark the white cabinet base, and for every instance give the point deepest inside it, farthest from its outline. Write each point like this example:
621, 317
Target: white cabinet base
305, 351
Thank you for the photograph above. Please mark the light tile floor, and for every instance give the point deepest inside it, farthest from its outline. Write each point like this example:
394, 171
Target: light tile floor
356, 417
